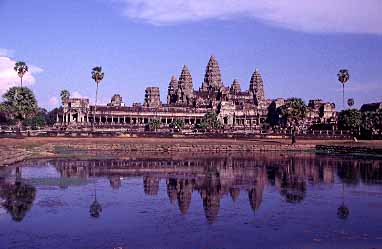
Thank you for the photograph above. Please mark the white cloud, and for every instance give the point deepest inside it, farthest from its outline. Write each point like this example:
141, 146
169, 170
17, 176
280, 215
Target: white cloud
9, 78
77, 94
6, 52
53, 101
346, 16
101, 99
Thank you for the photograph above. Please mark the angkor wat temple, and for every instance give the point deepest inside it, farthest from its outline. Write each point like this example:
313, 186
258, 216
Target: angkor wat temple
236, 108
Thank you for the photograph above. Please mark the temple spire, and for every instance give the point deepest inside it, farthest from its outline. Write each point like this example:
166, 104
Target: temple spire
235, 87
212, 77
172, 89
185, 87
256, 87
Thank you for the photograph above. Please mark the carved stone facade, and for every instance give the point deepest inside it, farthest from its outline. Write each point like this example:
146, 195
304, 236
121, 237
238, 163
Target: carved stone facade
236, 108
321, 112
152, 97
116, 100
212, 78
256, 88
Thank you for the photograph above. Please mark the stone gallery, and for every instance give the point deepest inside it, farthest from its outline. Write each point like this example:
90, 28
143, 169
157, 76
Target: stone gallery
235, 108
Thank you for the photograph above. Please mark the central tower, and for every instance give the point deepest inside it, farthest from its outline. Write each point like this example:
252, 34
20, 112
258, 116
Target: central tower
212, 78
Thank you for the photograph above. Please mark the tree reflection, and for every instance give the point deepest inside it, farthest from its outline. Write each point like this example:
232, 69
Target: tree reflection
18, 197
343, 211
348, 172
292, 186
95, 209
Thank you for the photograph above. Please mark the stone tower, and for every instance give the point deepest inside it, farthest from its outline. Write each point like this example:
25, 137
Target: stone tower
235, 87
256, 87
212, 78
116, 100
172, 90
185, 87
152, 97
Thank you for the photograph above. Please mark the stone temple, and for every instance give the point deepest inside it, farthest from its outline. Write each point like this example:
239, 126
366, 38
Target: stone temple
236, 108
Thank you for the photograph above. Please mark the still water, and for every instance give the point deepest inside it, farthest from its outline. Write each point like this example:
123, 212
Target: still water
175, 201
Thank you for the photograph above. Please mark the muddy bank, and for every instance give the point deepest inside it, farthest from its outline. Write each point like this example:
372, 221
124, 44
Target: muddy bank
16, 150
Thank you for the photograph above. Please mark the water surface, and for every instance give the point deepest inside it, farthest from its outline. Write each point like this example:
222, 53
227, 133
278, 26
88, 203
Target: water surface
261, 200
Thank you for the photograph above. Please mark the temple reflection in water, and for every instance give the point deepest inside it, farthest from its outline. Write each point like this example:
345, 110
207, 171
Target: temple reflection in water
213, 177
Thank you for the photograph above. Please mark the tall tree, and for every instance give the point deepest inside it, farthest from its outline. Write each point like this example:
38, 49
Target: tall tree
21, 68
349, 119
273, 114
293, 111
210, 121
97, 76
21, 104
343, 77
371, 124
64, 94
51, 117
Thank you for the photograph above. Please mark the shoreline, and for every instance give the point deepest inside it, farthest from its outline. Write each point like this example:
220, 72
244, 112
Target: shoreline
14, 150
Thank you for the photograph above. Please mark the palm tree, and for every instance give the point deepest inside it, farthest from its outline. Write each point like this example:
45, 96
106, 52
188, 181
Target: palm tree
95, 209
65, 94
97, 76
350, 103
343, 78
343, 210
21, 68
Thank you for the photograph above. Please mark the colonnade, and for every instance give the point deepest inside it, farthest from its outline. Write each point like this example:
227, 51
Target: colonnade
68, 118
144, 119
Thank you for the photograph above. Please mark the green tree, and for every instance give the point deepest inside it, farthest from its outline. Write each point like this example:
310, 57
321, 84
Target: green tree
97, 76
177, 124
371, 123
37, 121
64, 94
349, 119
343, 77
273, 115
210, 121
21, 69
21, 104
51, 117
4, 115
154, 124
18, 199
293, 111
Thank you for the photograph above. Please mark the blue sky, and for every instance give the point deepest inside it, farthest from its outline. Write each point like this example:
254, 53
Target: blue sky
298, 47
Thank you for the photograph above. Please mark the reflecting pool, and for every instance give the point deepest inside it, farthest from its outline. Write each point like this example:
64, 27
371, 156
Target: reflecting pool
175, 201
